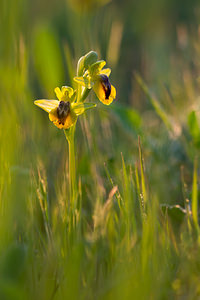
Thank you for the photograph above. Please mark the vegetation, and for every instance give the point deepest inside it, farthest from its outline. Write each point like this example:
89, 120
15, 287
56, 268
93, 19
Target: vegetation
125, 223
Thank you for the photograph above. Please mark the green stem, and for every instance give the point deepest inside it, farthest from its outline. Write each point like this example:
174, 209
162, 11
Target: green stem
72, 167
82, 96
69, 134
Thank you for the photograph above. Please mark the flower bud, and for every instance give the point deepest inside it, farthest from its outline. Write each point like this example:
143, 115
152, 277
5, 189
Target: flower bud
90, 58
80, 66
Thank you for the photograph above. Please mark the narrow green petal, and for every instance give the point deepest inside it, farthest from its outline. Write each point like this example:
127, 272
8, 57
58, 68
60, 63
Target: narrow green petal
80, 108
47, 105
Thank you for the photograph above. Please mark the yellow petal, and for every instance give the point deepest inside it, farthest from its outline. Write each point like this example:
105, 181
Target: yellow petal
105, 72
47, 105
58, 93
100, 92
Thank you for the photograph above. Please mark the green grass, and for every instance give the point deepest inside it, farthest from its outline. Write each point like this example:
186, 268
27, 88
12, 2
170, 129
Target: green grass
135, 231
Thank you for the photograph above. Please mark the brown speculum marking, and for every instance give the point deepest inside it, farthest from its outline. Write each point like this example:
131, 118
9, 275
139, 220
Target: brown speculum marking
106, 85
63, 111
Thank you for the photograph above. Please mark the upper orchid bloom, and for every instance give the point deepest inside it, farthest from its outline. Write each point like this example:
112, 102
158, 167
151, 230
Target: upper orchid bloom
63, 112
97, 78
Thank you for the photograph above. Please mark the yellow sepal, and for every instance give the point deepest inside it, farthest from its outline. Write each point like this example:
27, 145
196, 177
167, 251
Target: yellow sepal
47, 105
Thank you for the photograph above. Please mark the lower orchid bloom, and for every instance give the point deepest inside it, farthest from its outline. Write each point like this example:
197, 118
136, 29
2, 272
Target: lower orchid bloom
65, 111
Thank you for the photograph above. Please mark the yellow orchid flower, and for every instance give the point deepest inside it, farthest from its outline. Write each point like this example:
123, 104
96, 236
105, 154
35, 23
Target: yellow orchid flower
97, 78
63, 112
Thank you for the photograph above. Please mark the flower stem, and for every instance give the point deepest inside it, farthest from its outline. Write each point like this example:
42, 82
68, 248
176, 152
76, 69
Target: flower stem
69, 134
84, 94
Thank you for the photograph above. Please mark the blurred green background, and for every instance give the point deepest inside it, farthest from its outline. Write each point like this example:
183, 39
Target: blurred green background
40, 44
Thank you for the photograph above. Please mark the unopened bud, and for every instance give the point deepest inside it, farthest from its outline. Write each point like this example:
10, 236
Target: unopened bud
90, 58
80, 66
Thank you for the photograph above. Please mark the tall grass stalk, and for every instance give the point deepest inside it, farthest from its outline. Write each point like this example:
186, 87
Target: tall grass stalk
195, 196
69, 134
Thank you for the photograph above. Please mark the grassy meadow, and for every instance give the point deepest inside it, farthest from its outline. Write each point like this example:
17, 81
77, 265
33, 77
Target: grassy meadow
133, 232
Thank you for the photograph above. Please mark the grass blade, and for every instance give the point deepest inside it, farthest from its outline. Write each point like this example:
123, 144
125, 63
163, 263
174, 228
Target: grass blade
158, 108
195, 195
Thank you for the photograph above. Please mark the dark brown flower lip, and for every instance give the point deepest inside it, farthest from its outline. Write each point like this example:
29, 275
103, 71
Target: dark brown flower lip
106, 85
63, 110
